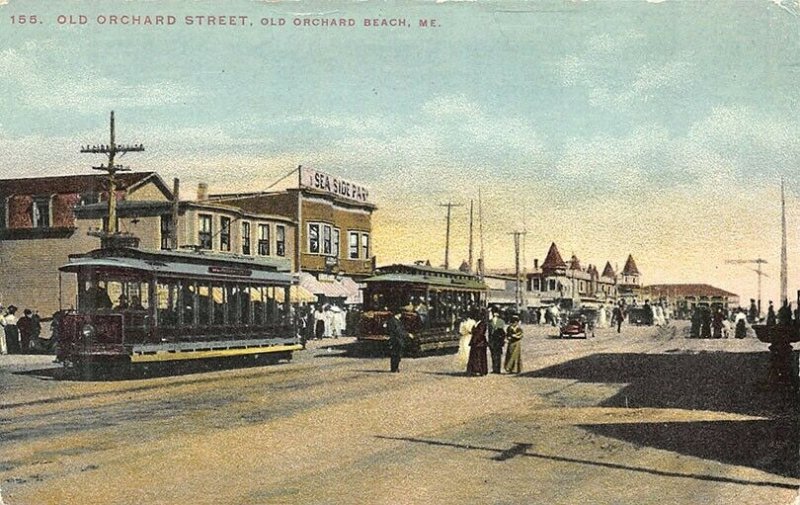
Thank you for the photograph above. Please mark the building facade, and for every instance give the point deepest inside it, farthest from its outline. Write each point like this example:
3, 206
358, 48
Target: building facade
333, 244
33, 247
568, 283
39, 230
682, 299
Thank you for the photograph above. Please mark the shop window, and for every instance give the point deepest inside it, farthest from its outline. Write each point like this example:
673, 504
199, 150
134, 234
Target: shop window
40, 212
205, 236
326, 240
313, 238
365, 245
263, 239
280, 240
335, 242
165, 229
225, 234
246, 238
353, 246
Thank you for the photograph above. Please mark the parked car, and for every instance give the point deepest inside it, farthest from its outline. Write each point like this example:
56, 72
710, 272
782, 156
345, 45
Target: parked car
578, 324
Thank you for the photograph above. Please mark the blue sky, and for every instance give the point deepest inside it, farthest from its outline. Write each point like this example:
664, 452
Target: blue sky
657, 129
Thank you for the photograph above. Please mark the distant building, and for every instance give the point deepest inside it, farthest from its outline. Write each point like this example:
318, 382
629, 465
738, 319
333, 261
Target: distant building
569, 283
629, 283
683, 298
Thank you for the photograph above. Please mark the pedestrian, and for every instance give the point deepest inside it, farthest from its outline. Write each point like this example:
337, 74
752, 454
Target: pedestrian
25, 328
741, 324
398, 337
514, 352
3, 347
497, 339
476, 365
618, 316
716, 324
11, 330
465, 335
319, 322
705, 323
770, 315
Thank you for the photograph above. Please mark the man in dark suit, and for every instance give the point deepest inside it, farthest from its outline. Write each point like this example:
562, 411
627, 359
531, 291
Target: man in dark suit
397, 340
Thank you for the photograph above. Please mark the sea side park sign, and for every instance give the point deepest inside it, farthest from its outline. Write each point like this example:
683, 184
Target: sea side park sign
320, 181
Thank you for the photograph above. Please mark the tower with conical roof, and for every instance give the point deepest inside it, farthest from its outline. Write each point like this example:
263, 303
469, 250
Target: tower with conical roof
553, 263
630, 281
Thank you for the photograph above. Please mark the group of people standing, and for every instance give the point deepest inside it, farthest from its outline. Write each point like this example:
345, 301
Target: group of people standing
484, 331
19, 334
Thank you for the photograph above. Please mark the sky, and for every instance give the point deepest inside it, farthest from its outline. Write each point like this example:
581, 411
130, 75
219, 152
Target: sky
657, 129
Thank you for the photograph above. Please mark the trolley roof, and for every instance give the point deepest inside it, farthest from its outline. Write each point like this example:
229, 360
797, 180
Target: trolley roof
183, 264
423, 274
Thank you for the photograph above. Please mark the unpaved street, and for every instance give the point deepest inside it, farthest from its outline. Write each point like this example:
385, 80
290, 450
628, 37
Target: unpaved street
645, 417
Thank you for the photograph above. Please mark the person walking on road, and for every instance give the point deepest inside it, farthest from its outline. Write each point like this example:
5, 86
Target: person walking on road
3, 347
497, 339
11, 330
397, 340
477, 349
25, 325
618, 317
514, 352
465, 335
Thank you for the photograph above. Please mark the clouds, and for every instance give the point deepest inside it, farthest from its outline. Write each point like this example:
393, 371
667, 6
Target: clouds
617, 72
84, 90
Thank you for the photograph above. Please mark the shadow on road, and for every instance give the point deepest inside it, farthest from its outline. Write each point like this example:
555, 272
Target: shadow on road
152, 370
712, 381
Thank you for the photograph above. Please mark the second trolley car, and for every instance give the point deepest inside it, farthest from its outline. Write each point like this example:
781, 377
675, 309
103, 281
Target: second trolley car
432, 300
137, 306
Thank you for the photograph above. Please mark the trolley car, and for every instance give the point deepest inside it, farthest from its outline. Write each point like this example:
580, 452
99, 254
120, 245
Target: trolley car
433, 301
137, 306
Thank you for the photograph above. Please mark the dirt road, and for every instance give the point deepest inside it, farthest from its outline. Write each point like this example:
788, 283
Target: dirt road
643, 417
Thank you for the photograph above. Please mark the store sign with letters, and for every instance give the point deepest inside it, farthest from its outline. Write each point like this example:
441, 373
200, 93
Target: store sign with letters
314, 179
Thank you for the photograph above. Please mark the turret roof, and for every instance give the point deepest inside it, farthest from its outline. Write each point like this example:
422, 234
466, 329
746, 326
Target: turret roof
608, 271
630, 267
553, 259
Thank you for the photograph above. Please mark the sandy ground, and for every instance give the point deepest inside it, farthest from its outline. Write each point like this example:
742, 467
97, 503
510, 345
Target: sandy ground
642, 417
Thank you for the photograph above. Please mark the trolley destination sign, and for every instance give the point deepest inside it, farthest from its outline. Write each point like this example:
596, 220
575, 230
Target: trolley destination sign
320, 181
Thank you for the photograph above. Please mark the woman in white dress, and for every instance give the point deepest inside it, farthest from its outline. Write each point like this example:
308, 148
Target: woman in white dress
465, 332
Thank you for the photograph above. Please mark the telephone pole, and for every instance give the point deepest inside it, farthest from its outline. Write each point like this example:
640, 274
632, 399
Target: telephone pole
470, 236
111, 151
449, 206
518, 290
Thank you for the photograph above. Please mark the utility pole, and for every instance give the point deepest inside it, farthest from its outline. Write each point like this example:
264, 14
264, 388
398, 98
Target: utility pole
481, 260
470, 236
758, 271
518, 290
111, 151
784, 275
449, 206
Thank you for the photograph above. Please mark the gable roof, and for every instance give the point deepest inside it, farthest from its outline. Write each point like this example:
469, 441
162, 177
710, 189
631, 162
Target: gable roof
69, 184
630, 267
608, 271
553, 259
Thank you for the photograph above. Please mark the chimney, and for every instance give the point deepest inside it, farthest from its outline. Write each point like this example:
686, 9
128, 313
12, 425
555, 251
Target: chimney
536, 263
202, 191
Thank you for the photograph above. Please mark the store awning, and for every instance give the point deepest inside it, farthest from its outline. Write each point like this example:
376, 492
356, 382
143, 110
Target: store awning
342, 287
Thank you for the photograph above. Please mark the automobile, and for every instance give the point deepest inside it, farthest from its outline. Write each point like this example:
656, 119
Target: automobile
576, 325
640, 316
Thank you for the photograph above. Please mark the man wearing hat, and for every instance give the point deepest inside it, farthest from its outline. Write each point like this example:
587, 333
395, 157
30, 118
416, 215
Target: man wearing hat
11, 331
397, 338
3, 348
513, 362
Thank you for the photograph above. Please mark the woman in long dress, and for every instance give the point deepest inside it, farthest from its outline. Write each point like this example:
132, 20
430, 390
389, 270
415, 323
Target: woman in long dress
514, 351
465, 332
477, 363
